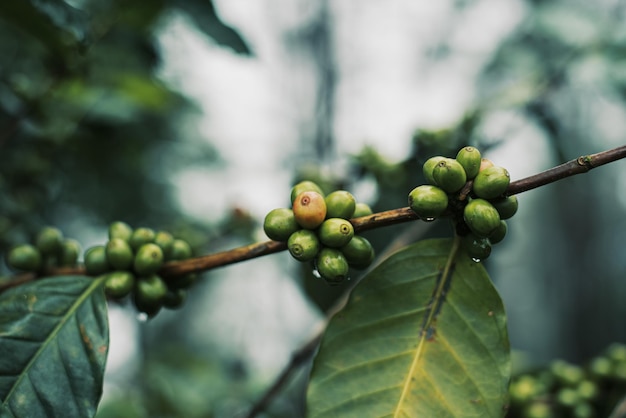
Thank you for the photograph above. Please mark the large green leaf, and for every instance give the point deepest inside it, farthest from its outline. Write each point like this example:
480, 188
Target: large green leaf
423, 335
54, 339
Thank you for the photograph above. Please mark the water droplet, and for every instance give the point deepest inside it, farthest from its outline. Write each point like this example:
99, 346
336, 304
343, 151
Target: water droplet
317, 274
428, 219
476, 260
142, 317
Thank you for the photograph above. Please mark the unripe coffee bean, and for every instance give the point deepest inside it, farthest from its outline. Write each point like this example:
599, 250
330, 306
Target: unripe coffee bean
498, 234
362, 209
279, 224
119, 254
506, 206
332, 265
305, 186
428, 201
24, 257
470, 159
476, 247
181, 250
449, 175
481, 217
340, 204
303, 245
429, 166
119, 229
69, 252
358, 252
141, 236
96, 260
148, 260
150, 291
165, 240
491, 182
49, 240
118, 284
309, 209
335, 232
175, 298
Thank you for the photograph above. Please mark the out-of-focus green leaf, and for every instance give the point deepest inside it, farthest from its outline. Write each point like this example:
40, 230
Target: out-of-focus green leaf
423, 335
51, 32
54, 340
203, 14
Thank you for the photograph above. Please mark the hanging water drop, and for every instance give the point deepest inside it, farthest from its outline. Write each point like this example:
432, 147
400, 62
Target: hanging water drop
316, 273
142, 317
476, 260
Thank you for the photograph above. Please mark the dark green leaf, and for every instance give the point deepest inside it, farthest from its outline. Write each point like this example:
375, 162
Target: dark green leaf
54, 340
203, 14
423, 335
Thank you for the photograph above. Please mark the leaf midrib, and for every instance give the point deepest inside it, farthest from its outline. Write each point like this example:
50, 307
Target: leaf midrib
73, 308
431, 314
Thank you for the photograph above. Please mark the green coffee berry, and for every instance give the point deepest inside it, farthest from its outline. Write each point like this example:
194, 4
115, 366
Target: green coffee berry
309, 209
428, 201
587, 390
303, 245
567, 397
361, 209
491, 182
523, 389
174, 299
476, 247
141, 236
538, 409
601, 367
429, 166
506, 206
118, 284
335, 232
305, 186
358, 252
583, 410
49, 240
181, 250
69, 252
469, 158
148, 260
567, 373
24, 257
449, 175
481, 217
279, 224
340, 204
165, 240
119, 254
498, 234
96, 260
182, 282
332, 265
150, 291
119, 229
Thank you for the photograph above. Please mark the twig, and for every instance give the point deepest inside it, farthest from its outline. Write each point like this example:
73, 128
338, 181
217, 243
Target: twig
579, 165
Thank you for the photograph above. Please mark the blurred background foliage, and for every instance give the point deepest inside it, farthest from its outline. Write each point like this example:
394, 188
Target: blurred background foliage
90, 132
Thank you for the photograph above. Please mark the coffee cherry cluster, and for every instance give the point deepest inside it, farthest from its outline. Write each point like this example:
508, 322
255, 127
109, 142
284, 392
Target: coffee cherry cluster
317, 230
568, 390
130, 259
470, 189
48, 249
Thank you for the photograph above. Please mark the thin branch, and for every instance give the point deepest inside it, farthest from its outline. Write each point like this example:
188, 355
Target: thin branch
172, 269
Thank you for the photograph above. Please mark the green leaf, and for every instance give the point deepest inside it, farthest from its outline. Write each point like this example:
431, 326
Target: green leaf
423, 335
54, 339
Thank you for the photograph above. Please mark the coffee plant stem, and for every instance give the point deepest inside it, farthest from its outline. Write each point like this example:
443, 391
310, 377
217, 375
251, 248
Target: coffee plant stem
579, 165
